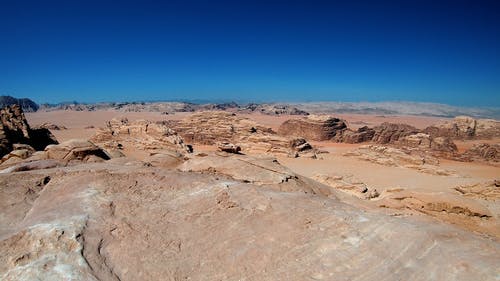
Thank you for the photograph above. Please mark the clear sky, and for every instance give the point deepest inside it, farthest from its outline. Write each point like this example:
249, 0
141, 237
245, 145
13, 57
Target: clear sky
408, 50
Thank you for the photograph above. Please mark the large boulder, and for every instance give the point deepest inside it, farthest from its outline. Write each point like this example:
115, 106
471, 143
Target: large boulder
313, 127
76, 149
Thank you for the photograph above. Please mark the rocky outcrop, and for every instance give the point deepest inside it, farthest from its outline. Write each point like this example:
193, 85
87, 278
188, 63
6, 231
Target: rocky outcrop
212, 127
50, 126
26, 105
451, 208
313, 127
76, 149
482, 152
489, 190
348, 184
391, 156
363, 134
464, 127
391, 133
248, 219
14, 129
425, 142
140, 134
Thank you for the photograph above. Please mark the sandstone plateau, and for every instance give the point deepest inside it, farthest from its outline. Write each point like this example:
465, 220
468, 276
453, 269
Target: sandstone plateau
216, 195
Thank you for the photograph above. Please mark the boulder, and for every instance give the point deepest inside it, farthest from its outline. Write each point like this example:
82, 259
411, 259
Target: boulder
228, 147
76, 149
482, 152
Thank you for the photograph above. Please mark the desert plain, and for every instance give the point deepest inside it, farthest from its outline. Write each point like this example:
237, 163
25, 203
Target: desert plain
229, 195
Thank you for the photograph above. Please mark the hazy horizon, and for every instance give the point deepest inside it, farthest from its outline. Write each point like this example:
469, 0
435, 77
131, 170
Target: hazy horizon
265, 51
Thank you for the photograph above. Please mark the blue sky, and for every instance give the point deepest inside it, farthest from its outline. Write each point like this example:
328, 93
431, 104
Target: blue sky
88, 51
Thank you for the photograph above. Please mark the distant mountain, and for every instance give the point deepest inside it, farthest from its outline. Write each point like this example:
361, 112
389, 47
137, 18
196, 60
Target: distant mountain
26, 104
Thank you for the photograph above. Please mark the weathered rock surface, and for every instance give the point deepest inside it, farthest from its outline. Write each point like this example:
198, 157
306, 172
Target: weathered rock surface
76, 149
140, 134
14, 129
482, 152
212, 127
451, 208
391, 133
105, 221
349, 184
488, 190
363, 134
390, 156
313, 127
464, 127
18, 154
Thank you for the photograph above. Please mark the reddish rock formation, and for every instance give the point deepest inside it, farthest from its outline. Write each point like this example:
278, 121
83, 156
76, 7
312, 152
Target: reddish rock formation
482, 152
391, 133
313, 127
363, 134
464, 127
141, 134
212, 127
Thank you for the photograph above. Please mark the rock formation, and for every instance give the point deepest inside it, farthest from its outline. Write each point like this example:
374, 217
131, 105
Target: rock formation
391, 133
452, 208
464, 127
50, 126
363, 134
482, 152
212, 127
14, 129
313, 127
26, 105
347, 184
141, 134
489, 191
390, 156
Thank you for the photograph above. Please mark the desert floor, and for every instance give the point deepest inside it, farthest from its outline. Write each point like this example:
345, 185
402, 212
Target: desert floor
382, 178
